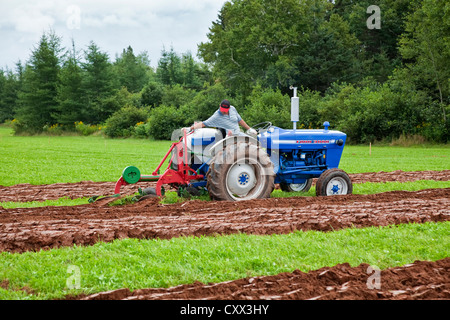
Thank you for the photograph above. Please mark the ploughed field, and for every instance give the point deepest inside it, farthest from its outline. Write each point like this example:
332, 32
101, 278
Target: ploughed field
32, 229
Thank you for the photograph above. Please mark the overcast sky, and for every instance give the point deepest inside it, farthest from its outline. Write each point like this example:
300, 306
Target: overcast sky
113, 25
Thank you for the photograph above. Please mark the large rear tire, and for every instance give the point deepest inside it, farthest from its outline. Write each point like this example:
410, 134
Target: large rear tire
333, 182
241, 171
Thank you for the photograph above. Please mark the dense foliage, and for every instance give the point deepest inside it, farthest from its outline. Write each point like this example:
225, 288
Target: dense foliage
372, 83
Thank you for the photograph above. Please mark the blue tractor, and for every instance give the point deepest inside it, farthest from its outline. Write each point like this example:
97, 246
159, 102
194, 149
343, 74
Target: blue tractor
244, 167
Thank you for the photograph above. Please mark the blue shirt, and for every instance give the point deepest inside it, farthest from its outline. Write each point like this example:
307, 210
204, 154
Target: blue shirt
228, 121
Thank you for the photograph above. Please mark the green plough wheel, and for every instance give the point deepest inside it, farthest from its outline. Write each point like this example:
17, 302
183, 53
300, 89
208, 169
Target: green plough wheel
131, 175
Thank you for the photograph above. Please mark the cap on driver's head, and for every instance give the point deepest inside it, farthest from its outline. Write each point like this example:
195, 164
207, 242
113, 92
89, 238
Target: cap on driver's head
224, 106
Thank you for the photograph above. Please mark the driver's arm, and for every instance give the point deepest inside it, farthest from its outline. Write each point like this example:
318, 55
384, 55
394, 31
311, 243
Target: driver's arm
197, 125
244, 125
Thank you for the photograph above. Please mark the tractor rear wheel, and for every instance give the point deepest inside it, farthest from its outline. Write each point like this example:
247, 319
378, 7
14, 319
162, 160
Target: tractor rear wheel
241, 171
297, 187
333, 182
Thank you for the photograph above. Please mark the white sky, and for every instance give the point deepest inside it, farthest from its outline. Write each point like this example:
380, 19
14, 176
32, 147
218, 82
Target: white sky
112, 24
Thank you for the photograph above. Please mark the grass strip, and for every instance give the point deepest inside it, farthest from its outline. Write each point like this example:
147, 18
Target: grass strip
34, 204
133, 263
52, 159
358, 159
375, 187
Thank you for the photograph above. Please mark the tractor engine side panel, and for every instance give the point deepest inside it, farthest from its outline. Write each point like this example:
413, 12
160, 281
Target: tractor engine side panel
302, 154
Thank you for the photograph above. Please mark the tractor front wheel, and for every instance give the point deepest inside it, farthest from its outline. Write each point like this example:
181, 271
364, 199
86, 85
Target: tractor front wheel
333, 182
241, 171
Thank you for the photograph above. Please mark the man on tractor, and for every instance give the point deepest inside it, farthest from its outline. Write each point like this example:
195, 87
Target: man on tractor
244, 167
227, 118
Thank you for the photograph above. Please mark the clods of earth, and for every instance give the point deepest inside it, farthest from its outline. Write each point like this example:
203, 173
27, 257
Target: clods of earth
32, 229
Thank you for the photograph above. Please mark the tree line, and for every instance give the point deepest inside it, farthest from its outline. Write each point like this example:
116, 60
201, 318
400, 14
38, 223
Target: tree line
372, 83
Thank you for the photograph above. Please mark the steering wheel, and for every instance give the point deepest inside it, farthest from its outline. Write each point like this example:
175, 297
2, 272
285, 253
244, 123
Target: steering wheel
262, 126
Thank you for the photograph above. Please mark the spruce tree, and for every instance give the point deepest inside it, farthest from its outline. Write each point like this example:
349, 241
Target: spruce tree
169, 70
70, 95
98, 85
37, 104
190, 72
132, 71
3, 107
9, 86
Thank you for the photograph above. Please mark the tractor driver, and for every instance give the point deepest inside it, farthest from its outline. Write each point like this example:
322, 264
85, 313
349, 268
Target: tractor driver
225, 117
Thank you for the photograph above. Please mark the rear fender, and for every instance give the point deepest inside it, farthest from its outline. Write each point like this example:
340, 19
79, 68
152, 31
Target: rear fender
222, 144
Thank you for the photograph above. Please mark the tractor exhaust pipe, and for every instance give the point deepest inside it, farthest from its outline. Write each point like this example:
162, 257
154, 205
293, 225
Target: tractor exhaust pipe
294, 107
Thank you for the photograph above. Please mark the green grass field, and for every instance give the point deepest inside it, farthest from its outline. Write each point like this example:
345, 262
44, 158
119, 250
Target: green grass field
135, 264
51, 159
161, 263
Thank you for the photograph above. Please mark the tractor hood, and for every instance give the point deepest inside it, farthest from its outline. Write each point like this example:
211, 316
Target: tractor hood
277, 138
305, 140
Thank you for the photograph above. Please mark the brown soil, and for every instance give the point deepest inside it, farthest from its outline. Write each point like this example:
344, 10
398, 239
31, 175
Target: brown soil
31, 229
25, 229
417, 281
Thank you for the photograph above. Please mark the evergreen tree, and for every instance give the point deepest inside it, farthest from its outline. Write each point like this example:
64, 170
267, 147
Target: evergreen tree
70, 91
169, 68
10, 84
37, 104
4, 110
98, 85
174, 67
190, 69
132, 71
162, 71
